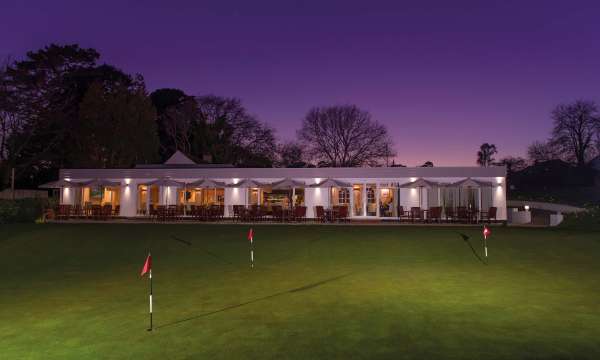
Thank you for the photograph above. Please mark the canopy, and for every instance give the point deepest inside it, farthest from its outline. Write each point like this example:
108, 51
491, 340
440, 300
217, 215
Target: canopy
165, 182
60, 184
470, 183
249, 183
207, 184
420, 183
332, 183
101, 183
287, 184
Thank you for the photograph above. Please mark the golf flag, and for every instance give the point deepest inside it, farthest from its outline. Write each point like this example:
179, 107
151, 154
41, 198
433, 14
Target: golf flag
148, 269
147, 265
251, 239
486, 233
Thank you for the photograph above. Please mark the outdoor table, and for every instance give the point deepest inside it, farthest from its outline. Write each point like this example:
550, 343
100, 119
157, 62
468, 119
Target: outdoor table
330, 214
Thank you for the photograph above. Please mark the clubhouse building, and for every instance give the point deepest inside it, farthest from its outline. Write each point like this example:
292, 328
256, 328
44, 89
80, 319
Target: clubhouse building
366, 192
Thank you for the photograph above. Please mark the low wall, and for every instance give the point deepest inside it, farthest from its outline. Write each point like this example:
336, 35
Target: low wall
558, 208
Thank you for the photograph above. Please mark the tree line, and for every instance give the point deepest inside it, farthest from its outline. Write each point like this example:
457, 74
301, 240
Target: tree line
61, 108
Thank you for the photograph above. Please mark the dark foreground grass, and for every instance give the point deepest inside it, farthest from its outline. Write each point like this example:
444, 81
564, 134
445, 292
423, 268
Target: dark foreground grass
74, 292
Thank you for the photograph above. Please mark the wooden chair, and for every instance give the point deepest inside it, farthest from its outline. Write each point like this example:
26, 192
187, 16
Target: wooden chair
449, 214
487, 216
403, 214
300, 213
435, 214
106, 211
416, 214
342, 214
462, 214
320, 213
277, 211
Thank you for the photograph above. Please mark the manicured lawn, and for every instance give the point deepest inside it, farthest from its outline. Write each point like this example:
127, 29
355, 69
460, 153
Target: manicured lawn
74, 292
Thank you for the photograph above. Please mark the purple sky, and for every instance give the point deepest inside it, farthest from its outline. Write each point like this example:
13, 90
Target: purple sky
444, 76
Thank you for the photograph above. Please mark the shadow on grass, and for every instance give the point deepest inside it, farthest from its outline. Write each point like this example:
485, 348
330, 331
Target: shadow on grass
466, 239
231, 307
209, 253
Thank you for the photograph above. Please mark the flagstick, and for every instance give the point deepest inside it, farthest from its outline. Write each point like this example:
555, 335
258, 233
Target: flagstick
485, 245
251, 253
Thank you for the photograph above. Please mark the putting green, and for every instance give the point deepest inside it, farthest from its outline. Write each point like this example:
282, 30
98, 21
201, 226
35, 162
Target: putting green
73, 291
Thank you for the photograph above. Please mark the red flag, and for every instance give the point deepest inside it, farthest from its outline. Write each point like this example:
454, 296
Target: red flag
250, 235
147, 265
486, 232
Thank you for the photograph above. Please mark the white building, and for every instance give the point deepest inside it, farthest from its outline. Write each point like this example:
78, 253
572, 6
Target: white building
369, 192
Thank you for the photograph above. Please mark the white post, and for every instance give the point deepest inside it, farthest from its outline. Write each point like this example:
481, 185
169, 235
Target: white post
377, 199
364, 199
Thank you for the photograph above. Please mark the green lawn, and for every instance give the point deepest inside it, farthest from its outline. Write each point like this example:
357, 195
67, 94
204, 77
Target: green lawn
74, 292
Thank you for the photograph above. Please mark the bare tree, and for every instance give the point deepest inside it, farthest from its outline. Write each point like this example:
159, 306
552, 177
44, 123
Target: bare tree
340, 136
575, 126
513, 164
485, 155
290, 155
540, 151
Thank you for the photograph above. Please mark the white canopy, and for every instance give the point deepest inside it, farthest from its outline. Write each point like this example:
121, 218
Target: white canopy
287, 184
207, 184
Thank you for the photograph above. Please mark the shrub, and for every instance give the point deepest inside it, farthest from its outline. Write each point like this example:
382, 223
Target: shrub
22, 210
589, 219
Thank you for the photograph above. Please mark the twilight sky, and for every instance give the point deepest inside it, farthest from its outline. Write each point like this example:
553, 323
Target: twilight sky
444, 76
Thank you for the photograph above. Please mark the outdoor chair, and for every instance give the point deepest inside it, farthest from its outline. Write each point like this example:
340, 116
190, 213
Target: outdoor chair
416, 214
64, 211
435, 214
117, 210
342, 214
320, 213
96, 212
487, 216
403, 214
77, 211
449, 214
277, 211
462, 214
106, 211
300, 213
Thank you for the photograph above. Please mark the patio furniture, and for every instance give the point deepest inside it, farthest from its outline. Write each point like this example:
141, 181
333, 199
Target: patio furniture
487, 216
300, 213
96, 213
320, 213
342, 214
106, 211
449, 214
462, 214
403, 214
238, 211
416, 214
117, 210
64, 211
277, 211
77, 211
435, 214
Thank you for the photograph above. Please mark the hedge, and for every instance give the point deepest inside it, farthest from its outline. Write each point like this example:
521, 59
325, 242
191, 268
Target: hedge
22, 210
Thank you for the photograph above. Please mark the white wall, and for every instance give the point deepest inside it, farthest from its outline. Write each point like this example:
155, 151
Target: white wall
234, 196
315, 197
499, 200
128, 200
68, 196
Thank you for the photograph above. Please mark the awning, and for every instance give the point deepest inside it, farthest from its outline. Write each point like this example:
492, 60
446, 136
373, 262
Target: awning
206, 184
470, 183
332, 183
287, 184
249, 183
420, 183
60, 184
96, 183
165, 182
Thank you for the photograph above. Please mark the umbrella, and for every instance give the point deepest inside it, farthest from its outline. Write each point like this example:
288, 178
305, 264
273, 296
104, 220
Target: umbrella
332, 183
60, 184
288, 184
165, 182
249, 183
469, 183
100, 183
207, 184
420, 183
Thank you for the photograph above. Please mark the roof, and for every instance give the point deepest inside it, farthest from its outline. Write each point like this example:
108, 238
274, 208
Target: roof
180, 161
276, 174
178, 158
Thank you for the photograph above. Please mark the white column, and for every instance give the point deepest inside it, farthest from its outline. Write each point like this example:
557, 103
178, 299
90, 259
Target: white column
377, 198
148, 199
364, 198
351, 210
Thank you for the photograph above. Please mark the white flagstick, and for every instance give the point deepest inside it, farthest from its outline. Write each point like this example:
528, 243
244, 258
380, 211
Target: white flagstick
251, 237
150, 299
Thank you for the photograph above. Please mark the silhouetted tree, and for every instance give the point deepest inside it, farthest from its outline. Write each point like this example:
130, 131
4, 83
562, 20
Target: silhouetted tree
341, 136
427, 164
290, 155
540, 151
485, 155
575, 127
513, 164
172, 107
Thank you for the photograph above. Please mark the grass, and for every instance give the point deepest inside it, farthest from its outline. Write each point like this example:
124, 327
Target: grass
74, 292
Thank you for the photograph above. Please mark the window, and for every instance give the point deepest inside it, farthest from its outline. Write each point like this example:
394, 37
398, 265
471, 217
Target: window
344, 196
